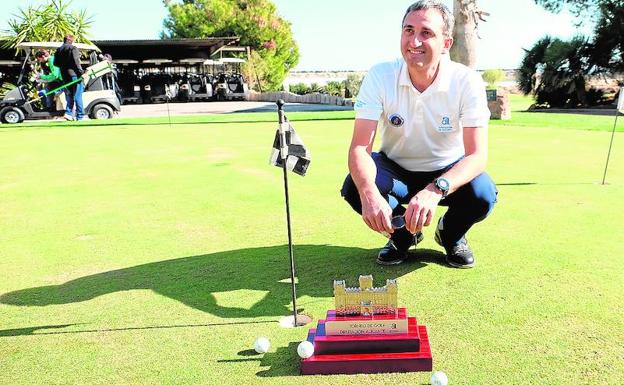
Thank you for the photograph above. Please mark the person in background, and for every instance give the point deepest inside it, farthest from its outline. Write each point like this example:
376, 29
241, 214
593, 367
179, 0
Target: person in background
67, 58
50, 75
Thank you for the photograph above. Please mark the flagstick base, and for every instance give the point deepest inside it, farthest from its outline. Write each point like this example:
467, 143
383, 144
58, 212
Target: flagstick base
287, 322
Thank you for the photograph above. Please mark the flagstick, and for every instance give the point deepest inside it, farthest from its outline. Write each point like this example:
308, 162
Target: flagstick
283, 156
610, 144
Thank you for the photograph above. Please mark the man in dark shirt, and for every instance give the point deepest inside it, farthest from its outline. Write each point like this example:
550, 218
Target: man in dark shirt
67, 58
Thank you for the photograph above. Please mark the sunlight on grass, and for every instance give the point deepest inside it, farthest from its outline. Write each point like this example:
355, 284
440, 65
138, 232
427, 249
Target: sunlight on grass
240, 299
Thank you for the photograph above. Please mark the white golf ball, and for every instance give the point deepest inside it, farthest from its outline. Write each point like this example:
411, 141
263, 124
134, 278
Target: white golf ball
262, 345
305, 349
439, 378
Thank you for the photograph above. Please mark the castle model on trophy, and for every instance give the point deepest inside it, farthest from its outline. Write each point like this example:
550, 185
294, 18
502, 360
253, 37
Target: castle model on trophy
367, 333
366, 299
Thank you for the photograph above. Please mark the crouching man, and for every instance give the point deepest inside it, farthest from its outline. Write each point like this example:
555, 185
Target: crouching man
432, 117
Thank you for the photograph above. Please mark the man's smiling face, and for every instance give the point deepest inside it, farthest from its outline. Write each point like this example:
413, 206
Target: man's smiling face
423, 40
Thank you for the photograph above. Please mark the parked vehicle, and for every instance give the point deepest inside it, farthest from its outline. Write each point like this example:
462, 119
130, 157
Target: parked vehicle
22, 102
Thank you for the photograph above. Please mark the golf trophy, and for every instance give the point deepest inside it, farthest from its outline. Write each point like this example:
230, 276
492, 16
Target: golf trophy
367, 333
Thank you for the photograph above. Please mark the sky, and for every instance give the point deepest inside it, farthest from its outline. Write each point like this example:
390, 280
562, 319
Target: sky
337, 35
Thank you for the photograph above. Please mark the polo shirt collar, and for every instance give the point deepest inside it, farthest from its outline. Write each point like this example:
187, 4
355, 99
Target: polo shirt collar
441, 82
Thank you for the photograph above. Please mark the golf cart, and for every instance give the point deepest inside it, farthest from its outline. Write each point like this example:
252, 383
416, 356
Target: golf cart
129, 86
230, 85
198, 80
24, 101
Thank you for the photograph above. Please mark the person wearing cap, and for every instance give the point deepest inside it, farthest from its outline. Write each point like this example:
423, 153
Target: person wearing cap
50, 74
432, 116
67, 58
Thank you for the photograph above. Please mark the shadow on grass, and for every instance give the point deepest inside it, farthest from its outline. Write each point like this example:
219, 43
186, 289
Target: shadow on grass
37, 330
195, 280
284, 361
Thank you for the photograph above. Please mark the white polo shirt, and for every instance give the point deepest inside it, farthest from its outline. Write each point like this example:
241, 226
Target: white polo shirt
422, 131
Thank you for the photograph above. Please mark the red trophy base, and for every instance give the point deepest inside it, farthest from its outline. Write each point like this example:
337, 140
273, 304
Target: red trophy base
368, 353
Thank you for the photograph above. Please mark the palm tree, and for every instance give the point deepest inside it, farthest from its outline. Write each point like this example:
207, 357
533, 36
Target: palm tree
47, 22
555, 71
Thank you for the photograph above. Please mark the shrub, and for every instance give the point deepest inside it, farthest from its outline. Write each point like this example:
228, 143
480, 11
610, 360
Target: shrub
492, 77
353, 83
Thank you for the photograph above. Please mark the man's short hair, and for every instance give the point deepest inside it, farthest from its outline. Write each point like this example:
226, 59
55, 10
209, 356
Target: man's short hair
41, 53
69, 39
447, 15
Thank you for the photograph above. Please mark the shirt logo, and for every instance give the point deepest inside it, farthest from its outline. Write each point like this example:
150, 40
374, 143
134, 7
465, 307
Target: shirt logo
445, 126
396, 120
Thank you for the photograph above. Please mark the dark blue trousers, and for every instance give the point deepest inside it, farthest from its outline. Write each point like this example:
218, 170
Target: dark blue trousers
468, 205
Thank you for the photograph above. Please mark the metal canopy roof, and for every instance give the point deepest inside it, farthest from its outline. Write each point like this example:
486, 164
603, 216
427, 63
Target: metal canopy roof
232, 60
55, 44
192, 61
156, 61
173, 49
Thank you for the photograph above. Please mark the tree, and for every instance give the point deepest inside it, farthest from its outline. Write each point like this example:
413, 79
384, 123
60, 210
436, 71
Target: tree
578, 8
607, 47
256, 22
353, 84
334, 88
47, 22
555, 71
531, 65
465, 37
608, 44
493, 76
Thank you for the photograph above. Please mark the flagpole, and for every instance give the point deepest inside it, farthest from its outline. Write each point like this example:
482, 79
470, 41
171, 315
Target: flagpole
604, 176
283, 155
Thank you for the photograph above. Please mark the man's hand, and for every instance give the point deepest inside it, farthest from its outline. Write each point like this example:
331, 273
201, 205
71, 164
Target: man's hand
421, 208
376, 212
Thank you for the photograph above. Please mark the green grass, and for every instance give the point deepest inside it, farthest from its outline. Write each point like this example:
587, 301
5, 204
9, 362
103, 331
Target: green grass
247, 117
144, 254
519, 118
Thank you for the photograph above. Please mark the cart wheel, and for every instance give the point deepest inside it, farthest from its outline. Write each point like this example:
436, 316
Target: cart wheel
11, 115
101, 111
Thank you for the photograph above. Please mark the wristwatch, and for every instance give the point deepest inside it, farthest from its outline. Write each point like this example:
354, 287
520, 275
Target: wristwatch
443, 185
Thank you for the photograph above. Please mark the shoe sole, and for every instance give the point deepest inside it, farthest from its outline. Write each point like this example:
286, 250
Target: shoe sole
452, 264
390, 263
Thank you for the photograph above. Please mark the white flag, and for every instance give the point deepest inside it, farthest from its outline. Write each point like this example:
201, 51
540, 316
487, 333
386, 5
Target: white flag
620, 105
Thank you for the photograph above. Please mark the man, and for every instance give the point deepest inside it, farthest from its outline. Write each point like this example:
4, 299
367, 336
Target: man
50, 74
433, 117
67, 58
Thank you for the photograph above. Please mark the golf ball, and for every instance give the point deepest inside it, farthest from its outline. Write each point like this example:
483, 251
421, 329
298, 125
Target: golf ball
439, 378
305, 349
262, 345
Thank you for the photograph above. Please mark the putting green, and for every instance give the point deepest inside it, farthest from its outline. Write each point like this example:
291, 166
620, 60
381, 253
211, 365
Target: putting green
144, 254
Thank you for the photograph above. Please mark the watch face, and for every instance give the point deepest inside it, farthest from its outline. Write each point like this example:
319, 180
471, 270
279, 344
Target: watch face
443, 184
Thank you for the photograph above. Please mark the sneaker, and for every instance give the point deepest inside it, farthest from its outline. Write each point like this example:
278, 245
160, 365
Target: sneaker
390, 254
458, 255
68, 117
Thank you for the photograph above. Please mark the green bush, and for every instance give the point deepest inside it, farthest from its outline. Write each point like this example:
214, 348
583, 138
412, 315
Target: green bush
492, 77
334, 88
299, 88
353, 83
